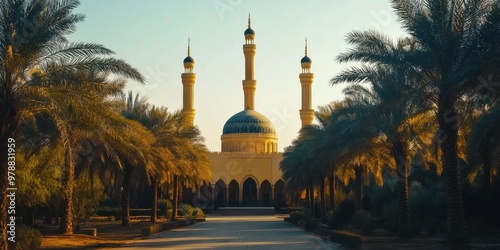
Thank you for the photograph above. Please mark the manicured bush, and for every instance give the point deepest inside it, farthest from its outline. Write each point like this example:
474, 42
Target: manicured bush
347, 239
163, 206
27, 238
309, 220
169, 214
191, 212
295, 216
364, 221
342, 216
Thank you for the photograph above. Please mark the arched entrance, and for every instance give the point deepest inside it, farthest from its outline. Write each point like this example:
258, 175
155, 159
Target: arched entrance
249, 193
205, 198
234, 190
279, 197
220, 194
265, 194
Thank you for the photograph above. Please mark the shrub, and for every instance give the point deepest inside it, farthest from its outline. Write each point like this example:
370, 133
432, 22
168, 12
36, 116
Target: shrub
295, 216
342, 216
164, 206
191, 212
169, 214
309, 220
350, 240
27, 238
364, 221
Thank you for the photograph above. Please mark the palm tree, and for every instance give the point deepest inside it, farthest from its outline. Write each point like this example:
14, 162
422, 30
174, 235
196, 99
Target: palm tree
192, 160
483, 144
135, 110
42, 48
458, 42
387, 106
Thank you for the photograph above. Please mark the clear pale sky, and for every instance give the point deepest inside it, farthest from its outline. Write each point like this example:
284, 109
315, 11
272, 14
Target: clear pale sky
151, 35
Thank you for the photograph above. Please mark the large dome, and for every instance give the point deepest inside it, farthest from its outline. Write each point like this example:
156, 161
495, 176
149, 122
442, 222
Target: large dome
248, 121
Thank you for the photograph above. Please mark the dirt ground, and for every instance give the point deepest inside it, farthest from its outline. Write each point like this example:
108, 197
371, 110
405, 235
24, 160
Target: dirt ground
109, 234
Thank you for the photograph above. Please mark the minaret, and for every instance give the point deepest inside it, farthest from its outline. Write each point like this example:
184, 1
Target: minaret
188, 79
306, 80
249, 84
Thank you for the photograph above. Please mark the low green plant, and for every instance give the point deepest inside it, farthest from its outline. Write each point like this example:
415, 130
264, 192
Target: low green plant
163, 206
364, 221
169, 214
347, 239
27, 238
309, 220
342, 216
191, 212
295, 216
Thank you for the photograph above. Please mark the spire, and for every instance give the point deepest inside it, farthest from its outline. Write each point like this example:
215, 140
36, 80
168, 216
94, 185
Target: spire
249, 22
306, 47
188, 61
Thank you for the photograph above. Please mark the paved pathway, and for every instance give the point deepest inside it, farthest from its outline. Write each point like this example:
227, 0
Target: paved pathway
235, 232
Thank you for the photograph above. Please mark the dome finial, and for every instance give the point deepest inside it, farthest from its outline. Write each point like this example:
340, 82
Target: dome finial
249, 20
189, 46
306, 47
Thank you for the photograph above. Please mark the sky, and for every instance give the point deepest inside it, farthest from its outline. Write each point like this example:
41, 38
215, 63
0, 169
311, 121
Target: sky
151, 35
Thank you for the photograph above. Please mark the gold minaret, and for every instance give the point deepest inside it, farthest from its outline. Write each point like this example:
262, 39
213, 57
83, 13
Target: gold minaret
249, 84
188, 79
306, 80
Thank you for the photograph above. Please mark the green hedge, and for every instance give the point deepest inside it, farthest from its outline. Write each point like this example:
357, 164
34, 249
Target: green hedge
118, 212
347, 239
27, 238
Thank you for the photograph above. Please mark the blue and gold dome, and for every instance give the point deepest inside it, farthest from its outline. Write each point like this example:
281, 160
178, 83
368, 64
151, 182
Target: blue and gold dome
248, 121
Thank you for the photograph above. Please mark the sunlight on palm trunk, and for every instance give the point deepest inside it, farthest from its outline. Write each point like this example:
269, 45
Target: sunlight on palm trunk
154, 210
127, 175
175, 203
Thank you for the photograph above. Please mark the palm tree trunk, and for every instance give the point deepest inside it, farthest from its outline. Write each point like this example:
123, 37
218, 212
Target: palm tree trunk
400, 157
454, 205
127, 175
331, 189
308, 198
154, 210
175, 202
487, 168
323, 200
66, 226
359, 172
311, 198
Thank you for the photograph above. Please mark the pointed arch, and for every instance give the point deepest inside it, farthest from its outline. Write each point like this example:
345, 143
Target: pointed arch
249, 192
265, 194
220, 193
234, 193
279, 196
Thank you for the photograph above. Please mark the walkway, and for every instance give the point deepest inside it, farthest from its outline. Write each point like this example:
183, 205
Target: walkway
235, 232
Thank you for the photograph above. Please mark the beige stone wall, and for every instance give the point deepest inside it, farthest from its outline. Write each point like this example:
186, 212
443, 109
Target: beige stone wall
239, 166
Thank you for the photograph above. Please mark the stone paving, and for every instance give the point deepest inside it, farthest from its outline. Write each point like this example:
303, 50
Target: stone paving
235, 232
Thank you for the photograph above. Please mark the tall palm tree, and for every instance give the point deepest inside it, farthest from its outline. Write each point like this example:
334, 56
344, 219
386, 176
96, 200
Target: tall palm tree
135, 110
43, 48
458, 43
387, 106
483, 145
192, 161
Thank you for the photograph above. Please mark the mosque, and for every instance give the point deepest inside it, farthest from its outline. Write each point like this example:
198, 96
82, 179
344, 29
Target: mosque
245, 173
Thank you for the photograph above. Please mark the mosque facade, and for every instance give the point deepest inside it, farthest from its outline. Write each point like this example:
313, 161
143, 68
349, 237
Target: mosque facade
245, 173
